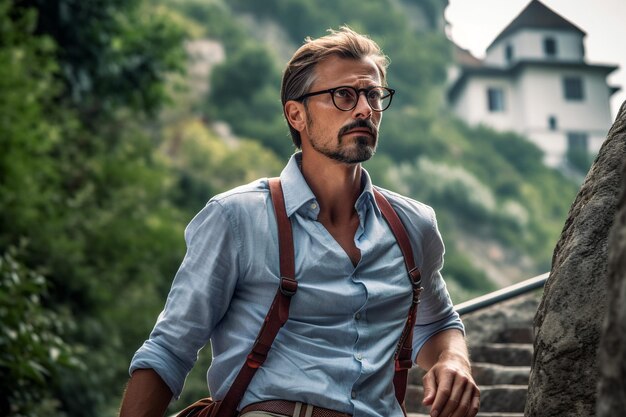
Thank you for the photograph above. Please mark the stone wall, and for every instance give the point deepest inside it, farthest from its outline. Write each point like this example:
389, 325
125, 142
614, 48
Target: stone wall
565, 369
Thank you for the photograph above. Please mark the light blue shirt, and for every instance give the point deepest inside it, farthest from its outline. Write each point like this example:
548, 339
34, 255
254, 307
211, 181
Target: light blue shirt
336, 350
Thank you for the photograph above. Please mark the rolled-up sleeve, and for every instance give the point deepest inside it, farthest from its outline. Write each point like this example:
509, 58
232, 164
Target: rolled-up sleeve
436, 311
198, 299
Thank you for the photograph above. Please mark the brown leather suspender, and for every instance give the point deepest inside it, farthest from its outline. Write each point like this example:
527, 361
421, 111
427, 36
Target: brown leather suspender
404, 350
279, 310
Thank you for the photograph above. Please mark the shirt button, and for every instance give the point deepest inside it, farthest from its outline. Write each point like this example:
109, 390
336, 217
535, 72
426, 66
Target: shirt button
353, 394
357, 316
313, 206
359, 356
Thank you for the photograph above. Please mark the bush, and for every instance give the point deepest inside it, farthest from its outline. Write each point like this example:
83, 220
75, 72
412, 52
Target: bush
32, 350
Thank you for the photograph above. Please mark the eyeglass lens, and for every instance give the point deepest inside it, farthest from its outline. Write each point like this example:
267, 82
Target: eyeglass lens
346, 98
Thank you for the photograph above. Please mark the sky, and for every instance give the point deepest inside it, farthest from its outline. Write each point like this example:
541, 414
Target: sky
474, 24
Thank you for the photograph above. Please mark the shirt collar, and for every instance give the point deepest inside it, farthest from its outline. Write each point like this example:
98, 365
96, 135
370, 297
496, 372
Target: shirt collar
298, 193
368, 192
295, 189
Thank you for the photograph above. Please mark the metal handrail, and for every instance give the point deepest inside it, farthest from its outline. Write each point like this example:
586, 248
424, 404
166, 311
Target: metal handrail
501, 295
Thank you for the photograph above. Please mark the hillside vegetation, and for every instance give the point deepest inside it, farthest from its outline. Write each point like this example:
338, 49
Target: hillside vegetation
106, 152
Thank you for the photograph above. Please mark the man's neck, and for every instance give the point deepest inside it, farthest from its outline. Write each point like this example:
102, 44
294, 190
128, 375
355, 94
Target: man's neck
336, 185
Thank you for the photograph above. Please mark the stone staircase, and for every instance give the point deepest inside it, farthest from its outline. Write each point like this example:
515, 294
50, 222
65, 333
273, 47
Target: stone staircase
500, 340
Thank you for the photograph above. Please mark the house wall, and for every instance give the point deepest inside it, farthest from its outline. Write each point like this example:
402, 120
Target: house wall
531, 97
472, 103
528, 44
541, 93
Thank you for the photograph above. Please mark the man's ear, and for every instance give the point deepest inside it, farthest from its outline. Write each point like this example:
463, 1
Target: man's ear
295, 114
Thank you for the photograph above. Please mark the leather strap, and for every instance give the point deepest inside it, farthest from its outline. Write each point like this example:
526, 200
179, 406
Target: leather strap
404, 349
290, 408
279, 310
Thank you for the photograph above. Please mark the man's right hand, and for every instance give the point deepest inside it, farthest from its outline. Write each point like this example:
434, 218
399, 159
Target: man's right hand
146, 395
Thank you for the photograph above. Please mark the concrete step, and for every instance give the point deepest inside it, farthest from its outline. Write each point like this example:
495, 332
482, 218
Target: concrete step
485, 374
523, 334
493, 398
508, 354
507, 398
493, 374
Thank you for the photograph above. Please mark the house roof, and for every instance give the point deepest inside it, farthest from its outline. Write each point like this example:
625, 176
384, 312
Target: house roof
464, 57
514, 70
537, 15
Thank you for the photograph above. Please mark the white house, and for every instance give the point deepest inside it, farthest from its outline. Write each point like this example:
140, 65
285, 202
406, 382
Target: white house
534, 80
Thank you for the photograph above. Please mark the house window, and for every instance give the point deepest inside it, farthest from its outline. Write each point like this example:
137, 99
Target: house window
549, 47
508, 53
577, 141
573, 88
495, 99
552, 123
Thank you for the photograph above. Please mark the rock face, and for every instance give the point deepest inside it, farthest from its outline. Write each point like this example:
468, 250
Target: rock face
565, 368
612, 355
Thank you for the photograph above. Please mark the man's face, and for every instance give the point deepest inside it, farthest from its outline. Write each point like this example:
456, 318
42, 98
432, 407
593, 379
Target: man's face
345, 136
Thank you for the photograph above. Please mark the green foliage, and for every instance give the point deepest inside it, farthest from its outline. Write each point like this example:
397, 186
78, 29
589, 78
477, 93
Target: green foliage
432, 10
79, 181
298, 17
205, 165
211, 19
246, 94
32, 349
26, 84
113, 52
465, 275
108, 233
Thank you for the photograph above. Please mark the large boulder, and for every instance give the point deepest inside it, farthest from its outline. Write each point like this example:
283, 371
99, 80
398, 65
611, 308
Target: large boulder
565, 369
612, 355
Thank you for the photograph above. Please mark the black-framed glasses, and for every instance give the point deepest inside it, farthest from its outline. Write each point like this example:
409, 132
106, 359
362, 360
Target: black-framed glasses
345, 97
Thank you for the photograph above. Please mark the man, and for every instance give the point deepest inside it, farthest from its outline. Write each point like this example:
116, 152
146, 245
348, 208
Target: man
336, 350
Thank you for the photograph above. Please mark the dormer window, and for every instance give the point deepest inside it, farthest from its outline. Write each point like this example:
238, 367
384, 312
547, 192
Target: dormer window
549, 47
508, 53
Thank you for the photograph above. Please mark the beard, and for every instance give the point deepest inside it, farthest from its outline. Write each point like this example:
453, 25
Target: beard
360, 150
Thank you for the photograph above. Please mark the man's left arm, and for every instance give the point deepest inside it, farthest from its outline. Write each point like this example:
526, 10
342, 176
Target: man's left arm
449, 387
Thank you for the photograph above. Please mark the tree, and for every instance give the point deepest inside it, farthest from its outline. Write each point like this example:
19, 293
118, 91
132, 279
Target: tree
246, 94
80, 184
32, 350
